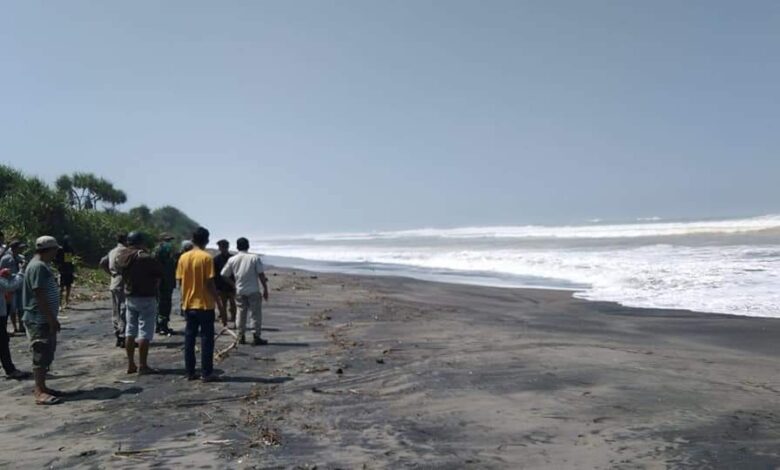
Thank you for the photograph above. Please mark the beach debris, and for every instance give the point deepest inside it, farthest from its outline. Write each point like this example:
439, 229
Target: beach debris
340, 371
380, 361
126, 382
315, 370
221, 354
270, 438
222, 442
314, 277
88, 453
263, 358
135, 453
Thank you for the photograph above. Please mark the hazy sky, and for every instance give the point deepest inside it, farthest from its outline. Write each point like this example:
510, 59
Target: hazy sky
302, 116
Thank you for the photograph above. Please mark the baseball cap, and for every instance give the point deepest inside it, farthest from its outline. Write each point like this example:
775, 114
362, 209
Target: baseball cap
46, 242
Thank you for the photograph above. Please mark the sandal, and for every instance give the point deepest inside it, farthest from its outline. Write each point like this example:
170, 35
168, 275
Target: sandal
47, 399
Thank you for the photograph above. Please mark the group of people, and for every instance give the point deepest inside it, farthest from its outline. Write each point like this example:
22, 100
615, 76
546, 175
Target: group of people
142, 285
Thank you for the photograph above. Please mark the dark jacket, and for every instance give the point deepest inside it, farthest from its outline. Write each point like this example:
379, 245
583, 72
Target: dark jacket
141, 273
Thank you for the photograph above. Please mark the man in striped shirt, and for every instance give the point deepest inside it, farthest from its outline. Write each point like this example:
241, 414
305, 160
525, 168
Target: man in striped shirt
41, 299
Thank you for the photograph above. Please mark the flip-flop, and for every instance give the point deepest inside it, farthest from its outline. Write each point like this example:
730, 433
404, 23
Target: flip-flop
49, 400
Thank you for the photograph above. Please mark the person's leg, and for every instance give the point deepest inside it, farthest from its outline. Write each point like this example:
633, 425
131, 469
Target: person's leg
68, 288
223, 308
256, 304
190, 333
164, 311
131, 333
43, 345
243, 312
207, 343
232, 310
147, 320
5, 351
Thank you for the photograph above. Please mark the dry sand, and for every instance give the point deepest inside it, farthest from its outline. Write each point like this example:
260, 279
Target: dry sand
392, 373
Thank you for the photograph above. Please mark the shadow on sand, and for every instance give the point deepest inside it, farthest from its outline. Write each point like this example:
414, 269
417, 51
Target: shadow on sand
253, 380
100, 393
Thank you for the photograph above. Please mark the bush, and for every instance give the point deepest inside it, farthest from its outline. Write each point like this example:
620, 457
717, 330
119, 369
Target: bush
30, 208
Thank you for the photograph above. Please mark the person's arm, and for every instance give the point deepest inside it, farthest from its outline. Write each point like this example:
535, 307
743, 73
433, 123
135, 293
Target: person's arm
11, 284
261, 275
45, 308
104, 264
264, 282
211, 286
227, 274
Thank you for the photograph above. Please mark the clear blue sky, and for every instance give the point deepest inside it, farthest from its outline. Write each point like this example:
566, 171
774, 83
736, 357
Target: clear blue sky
302, 116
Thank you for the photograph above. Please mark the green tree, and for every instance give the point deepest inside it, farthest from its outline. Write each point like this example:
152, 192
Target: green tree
83, 191
142, 214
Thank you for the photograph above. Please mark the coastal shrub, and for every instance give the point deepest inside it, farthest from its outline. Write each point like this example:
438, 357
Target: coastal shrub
30, 208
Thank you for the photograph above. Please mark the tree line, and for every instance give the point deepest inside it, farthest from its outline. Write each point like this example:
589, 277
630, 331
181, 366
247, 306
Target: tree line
82, 206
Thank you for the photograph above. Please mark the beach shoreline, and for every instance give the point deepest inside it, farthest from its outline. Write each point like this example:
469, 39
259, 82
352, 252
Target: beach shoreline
389, 372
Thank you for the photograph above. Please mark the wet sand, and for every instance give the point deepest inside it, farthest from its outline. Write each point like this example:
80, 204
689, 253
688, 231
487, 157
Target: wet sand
371, 373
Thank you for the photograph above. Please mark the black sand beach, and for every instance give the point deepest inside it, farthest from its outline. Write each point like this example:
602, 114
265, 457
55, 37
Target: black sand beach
368, 372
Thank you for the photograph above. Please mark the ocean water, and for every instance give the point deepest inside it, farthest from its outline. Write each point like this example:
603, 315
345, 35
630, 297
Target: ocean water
719, 266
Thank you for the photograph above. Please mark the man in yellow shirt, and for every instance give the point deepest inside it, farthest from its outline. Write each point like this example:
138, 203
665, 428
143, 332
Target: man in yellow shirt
195, 274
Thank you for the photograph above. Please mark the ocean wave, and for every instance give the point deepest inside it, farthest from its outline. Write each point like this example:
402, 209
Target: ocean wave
738, 280
648, 228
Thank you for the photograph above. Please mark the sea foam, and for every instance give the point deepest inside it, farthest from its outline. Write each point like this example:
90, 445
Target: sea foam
724, 266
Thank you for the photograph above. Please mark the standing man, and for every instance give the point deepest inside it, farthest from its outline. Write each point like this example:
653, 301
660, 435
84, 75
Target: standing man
227, 292
195, 273
141, 274
9, 283
119, 308
247, 269
167, 258
41, 304
13, 260
67, 268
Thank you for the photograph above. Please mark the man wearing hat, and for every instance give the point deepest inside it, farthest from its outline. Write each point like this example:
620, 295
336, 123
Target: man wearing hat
41, 299
167, 258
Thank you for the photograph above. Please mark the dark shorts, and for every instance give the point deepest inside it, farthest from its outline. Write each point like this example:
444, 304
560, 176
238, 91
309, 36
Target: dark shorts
66, 279
43, 343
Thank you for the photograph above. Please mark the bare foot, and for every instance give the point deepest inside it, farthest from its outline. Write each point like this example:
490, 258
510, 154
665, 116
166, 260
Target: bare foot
132, 369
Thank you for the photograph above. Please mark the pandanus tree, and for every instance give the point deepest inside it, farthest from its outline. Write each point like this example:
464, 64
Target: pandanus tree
84, 191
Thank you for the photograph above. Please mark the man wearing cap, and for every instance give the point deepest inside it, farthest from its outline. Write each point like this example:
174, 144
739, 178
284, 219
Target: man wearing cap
141, 274
195, 274
13, 260
116, 287
41, 299
227, 293
165, 256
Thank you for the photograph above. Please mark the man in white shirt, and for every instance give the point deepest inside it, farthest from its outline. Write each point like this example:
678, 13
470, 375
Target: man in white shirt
247, 270
119, 306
